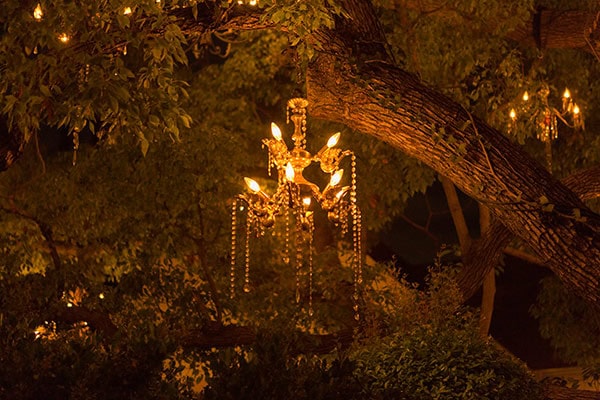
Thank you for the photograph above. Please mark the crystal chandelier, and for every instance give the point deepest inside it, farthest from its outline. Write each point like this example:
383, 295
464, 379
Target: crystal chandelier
292, 202
546, 117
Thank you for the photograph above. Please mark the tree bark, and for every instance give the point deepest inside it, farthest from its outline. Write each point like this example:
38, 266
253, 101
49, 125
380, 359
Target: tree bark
489, 281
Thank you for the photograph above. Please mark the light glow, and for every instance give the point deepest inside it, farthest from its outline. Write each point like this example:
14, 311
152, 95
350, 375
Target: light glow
567, 94
127, 11
275, 131
576, 109
64, 38
525, 96
38, 13
252, 185
513, 114
306, 201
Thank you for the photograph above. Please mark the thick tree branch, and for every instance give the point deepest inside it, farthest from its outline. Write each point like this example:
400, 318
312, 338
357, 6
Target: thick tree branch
95, 319
486, 252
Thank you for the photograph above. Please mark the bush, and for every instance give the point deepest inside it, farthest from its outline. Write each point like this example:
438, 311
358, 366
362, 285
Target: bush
442, 364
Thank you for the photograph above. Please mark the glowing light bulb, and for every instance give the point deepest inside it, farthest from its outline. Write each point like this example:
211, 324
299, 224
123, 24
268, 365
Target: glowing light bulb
333, 140
289, 172
336, 177
38, 13
69, 304
525, 96
576, 109
567, 94
127, 11
101, 296
252, 185
275, 131
64, 38
513, 114
306, 201
252, 2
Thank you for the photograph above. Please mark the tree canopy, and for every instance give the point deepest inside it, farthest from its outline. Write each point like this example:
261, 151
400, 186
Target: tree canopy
128, 127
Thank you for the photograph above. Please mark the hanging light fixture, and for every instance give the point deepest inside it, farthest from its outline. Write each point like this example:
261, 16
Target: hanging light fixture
292, 202
546, 117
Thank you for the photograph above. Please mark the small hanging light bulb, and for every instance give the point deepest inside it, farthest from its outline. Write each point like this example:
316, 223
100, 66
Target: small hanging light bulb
513, 114
252, 185
37, 12
275, 131
289, 172
64, 38
525, 96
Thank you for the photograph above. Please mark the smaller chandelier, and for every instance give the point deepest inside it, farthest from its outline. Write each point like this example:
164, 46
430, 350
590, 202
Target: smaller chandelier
546, 117
293, 203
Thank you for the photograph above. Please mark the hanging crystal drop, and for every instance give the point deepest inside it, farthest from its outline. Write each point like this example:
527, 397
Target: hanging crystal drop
286, 254
310, 266
247, 260
298, 246
75, 145
233, 248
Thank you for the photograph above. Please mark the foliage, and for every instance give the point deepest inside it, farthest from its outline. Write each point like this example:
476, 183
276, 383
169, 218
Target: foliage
443, 364
269, 372
441, 355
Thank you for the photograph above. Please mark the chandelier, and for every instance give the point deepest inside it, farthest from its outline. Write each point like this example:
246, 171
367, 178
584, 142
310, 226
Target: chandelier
293, 203
546, 117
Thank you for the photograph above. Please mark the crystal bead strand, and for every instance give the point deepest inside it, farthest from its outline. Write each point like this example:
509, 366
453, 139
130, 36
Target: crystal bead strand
355, 240
286, 254
247, 258
233, 248
298, 246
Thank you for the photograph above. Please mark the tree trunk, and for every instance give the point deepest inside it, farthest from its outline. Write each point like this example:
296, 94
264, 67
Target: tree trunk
489, 282
379, 99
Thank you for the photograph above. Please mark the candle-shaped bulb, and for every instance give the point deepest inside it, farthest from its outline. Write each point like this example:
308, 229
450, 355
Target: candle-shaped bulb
289, 172
252, 185
576, 109
525, 96
336, 177
567, 94
127, 11
275, 131
333, 140
513, 114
